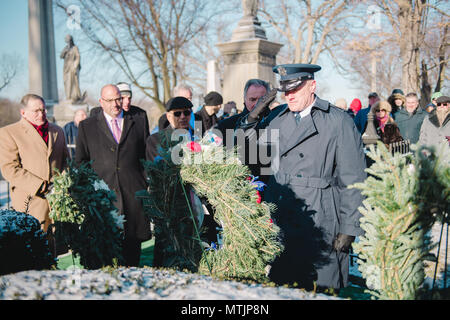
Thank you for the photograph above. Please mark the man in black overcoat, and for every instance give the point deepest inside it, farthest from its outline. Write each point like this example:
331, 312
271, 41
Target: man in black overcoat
127, 95
114, 141
319, 153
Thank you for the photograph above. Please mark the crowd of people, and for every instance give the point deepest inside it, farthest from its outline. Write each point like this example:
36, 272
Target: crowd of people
400, 117
319, 153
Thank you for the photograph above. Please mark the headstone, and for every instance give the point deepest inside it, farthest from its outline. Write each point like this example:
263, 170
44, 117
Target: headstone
249, 55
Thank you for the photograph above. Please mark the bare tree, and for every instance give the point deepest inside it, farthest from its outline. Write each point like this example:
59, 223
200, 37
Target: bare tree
309, 27
10, 65
410, 22
359, 54
145, 39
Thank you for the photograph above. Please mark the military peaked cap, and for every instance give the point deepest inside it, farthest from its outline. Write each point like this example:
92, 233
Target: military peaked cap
292, 75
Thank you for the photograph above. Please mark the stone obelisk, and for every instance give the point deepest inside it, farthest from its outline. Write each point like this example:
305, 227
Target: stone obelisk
41, 61
248, 55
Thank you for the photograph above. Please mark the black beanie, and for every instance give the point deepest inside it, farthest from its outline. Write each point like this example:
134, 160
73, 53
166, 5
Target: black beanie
213, 99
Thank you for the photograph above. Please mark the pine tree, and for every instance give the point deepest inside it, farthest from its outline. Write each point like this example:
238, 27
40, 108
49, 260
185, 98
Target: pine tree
404, 196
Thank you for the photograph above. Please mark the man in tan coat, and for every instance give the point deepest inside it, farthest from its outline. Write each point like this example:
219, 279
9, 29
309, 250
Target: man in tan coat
30, 150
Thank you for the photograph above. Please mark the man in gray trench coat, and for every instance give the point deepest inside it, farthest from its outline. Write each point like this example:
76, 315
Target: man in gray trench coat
320, 153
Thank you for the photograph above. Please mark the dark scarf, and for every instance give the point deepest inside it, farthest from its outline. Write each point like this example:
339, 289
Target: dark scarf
42, 130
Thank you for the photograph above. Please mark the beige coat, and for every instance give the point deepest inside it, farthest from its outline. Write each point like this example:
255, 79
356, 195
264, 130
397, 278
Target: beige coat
26, 161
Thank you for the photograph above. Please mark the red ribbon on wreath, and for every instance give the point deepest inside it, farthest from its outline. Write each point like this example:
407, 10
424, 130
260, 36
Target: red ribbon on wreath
194, 146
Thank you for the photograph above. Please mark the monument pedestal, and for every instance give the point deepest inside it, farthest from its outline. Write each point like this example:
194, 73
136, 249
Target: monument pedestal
249, 55
245, 60
64, 111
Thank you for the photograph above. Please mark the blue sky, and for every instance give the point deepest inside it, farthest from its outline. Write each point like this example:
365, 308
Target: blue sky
14, 35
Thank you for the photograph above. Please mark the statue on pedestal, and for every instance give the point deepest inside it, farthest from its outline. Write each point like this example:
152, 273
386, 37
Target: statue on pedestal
71, 70
250, 7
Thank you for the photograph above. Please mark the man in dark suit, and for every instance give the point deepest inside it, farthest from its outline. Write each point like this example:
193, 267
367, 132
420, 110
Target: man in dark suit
126, 94
114, 141
253, 90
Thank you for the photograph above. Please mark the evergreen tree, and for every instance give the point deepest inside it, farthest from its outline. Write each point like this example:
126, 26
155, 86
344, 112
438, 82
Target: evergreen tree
404, 196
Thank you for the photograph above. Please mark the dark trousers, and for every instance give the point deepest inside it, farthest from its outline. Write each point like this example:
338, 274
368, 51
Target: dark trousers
131, 252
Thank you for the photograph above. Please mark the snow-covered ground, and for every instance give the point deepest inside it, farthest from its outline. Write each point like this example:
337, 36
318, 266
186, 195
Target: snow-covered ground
138, 284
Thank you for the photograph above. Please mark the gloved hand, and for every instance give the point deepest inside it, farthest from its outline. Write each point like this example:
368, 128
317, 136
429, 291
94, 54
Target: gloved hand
262, 106
343, 242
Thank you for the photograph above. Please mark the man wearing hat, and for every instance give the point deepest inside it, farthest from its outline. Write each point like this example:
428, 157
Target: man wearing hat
207, 114
114, 140
436, 126
361, 117
432, 105
320, 153
178, 112
126, 94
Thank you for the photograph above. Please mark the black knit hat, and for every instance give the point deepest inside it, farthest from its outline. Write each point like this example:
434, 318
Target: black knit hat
397, 91
213, 99
178, 103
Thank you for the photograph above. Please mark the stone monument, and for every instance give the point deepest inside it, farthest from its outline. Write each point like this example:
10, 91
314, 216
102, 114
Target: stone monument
71, 71
247, 55
74, 101
41, 52
42, 62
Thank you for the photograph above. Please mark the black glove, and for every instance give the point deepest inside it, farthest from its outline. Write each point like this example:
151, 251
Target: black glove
262, 106
343, 242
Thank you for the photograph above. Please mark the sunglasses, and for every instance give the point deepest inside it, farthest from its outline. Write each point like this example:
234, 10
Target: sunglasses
442, 104
381, 110
185, 112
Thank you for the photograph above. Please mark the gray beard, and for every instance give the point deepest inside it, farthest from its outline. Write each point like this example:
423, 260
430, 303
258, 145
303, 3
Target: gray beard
441, 115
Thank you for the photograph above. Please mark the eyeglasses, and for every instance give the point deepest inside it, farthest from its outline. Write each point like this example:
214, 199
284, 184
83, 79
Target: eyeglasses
442, 104
381, 110
43, 111
185, 112
115, 100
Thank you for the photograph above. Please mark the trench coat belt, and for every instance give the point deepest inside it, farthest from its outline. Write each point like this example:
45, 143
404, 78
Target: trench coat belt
307, 182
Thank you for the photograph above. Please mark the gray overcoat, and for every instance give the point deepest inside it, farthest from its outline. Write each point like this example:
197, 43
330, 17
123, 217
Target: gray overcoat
318, 158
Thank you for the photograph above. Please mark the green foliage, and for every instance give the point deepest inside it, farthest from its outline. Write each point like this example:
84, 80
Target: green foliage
250, 239
85, 217
166, 206
23, 245
404, 196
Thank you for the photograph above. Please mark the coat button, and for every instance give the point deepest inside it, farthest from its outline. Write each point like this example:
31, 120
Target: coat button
301, 155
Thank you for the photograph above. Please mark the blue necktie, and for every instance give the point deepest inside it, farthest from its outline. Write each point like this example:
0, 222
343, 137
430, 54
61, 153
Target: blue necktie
297, 117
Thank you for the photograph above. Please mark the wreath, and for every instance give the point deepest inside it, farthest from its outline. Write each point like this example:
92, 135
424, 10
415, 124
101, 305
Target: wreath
181, 180
85, 218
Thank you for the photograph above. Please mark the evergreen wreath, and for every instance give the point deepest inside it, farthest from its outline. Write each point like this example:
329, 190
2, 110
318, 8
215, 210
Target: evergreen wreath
248, 241
404, 197
85, 218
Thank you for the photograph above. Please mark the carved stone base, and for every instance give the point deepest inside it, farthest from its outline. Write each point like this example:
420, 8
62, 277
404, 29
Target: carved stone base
244, 60
64, 111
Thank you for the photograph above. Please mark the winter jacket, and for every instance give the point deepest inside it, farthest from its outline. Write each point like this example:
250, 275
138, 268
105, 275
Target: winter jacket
409, 124
431, 133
